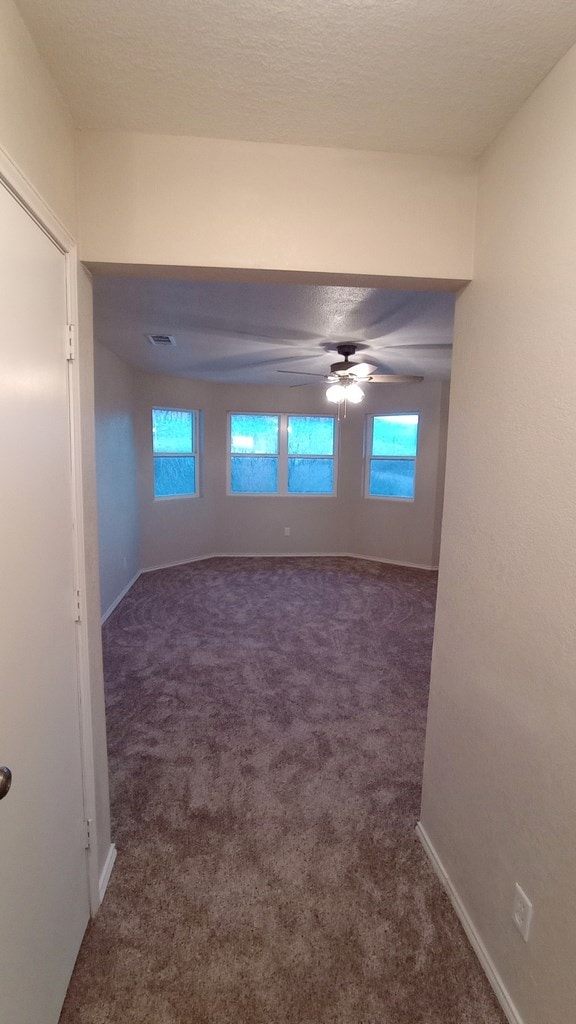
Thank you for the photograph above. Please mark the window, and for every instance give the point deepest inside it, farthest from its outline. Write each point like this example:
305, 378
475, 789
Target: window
282, 454
310, 454
392, 449
174, 433
254, 449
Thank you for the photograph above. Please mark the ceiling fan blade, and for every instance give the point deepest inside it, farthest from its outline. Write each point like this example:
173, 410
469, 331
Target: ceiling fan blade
362, 369
392, 378
305, 384
441, 347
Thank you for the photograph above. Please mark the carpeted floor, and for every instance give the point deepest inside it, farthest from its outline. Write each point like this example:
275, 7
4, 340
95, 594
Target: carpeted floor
266, 725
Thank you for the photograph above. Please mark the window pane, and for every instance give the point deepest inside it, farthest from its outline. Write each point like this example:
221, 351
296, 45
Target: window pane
253, 434
172, 431
253, 476
174, 476
392, 478
395, 435
310, 435
310, 476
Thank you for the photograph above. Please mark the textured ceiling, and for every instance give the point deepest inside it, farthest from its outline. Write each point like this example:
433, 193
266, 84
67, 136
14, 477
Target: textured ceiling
438, 76
246, 333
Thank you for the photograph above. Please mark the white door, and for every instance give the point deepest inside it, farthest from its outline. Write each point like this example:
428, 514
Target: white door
43, 876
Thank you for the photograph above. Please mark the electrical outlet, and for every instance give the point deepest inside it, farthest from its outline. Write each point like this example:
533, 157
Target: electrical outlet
286, 531
522, 911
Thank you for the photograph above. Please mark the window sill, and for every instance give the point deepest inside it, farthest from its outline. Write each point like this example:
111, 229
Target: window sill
386, 497
174, 497
271, 494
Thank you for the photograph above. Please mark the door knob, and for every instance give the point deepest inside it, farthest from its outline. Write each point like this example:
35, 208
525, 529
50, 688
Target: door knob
5, 782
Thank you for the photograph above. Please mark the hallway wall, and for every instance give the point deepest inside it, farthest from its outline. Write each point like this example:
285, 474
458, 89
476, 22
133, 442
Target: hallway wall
37, 137
185, 202
499, 796
36, 129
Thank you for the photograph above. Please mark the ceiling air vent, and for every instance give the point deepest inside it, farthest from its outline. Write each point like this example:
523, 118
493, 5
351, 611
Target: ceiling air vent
161, 340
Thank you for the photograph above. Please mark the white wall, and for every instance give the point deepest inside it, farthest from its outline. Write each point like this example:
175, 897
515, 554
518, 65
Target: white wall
168, 200
500, 774
117, 474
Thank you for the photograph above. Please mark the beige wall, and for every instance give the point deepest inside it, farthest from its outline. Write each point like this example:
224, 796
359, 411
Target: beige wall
178, 529
167, 200
116, 466
499, 788
35, 127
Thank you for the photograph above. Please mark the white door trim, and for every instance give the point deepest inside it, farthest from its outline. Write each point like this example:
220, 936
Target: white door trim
25, 194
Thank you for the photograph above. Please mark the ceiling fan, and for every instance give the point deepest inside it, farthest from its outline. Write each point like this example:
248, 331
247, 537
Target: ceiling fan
345, 376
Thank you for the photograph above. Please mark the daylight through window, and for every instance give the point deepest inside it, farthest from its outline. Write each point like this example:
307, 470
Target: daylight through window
282, 454
174, 433
392, 449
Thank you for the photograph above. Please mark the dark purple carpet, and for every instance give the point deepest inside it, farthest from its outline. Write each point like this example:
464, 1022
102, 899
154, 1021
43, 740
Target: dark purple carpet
266, 724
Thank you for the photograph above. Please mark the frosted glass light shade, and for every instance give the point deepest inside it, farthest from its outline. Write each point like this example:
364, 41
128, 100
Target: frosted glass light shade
336, 393
354, 393
345, 392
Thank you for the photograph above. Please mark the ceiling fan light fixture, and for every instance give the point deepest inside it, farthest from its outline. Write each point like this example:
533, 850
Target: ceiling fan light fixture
353, 393
345, 392
336, 393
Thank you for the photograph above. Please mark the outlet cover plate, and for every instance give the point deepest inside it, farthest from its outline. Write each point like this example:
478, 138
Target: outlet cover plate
522, 911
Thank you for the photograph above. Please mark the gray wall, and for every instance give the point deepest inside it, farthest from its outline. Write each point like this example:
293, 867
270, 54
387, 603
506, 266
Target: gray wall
402, 531
90, 503
148, 533
116, 468
217, 523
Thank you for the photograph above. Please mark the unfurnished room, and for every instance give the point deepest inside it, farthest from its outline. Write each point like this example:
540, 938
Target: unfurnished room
288, 587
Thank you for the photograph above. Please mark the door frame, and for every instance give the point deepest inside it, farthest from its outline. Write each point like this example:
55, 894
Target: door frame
26, 195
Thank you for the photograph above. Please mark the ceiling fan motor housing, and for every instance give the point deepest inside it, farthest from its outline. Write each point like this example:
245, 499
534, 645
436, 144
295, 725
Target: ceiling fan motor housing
345, 366
346, 350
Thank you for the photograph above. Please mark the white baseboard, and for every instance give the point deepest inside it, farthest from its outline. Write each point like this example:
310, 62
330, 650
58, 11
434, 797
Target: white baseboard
107, 871
281, 554
394, 561
260, 554
486, 962
249, 554
122, 594
181, 561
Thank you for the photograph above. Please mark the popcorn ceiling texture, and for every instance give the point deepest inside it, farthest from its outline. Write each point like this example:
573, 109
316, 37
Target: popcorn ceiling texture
246, 333
440, 76
266, 726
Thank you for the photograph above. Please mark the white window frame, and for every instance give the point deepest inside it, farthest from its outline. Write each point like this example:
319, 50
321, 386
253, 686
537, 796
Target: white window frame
281, 455
368, 456
195, 453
